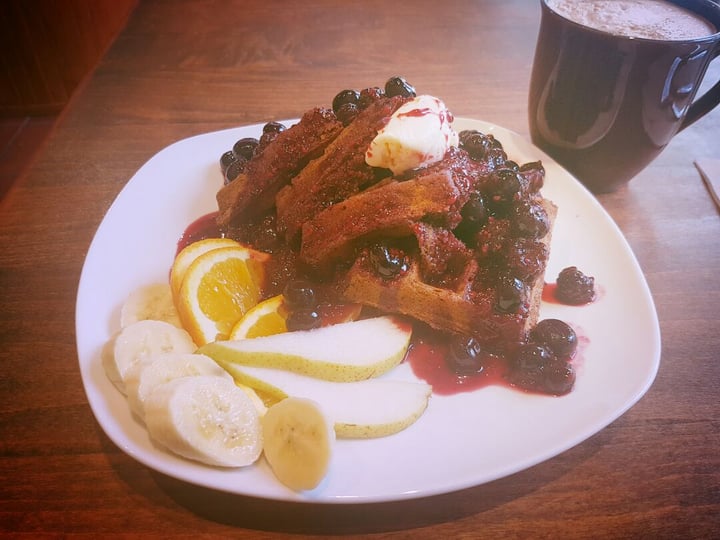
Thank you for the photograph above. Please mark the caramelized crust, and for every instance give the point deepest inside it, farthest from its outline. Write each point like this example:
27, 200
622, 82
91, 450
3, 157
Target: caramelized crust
390, 210
338, 174
253, 192
465, 309
444, 259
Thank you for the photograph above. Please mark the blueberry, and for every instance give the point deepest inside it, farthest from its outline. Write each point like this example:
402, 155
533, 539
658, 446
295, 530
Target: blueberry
508, 184
245, 147
465, 355
273, 127
510, 295
397, 86
558, 377
497, 157
347, 113
388, 262
535, 368
474, 216
530, 359
234, 170
227, 159
475, 143
299, 294
343, 97
557, 335
574, 287
474, 210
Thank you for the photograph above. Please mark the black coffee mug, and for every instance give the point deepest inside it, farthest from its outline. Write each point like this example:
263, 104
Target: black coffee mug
604, 106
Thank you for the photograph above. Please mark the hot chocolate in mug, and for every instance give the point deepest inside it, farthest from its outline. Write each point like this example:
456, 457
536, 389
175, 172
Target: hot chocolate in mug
609, 90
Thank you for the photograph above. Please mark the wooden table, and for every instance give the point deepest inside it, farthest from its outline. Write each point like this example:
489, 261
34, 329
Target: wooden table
187, 67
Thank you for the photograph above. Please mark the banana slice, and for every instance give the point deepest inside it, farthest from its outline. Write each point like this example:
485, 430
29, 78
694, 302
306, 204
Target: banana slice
152, 371
298, 440
107, 358
154, 302
205, 418
143, 339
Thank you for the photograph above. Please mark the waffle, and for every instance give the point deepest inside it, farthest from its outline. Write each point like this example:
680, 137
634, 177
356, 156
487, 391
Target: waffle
465, 304
460, 245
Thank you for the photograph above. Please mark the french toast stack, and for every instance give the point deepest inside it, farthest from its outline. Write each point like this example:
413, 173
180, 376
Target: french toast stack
460, 244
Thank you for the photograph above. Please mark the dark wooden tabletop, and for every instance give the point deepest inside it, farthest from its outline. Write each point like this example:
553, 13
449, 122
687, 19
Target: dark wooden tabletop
186, 67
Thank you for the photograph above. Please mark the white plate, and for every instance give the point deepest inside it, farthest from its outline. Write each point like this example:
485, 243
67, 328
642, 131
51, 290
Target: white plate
462, 440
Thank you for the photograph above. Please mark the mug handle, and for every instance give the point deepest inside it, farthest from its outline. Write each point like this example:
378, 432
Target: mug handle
703, 105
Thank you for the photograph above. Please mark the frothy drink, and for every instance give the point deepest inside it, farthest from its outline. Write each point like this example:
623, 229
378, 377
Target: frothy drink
651, 19
603, 104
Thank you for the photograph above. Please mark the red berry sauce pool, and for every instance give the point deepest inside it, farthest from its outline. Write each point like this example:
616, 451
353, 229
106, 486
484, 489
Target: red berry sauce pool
426, 357
200, 229
428, 354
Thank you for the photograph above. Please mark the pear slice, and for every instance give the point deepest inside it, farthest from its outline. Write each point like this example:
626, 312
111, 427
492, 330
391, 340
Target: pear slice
361, 409
344, 352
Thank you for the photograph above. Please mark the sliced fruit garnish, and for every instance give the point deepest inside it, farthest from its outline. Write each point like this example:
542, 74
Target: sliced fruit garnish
150, 302
351, 351
298, 439
218, 288
187, 255
140, 340
360, 410
205, 418
152, 371
265, 319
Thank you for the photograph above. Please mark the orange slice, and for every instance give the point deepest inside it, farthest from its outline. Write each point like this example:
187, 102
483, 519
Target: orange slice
191, 252
265, 319
217, 289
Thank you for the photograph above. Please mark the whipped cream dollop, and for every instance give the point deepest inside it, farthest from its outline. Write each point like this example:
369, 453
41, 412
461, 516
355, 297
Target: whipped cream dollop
417, 134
